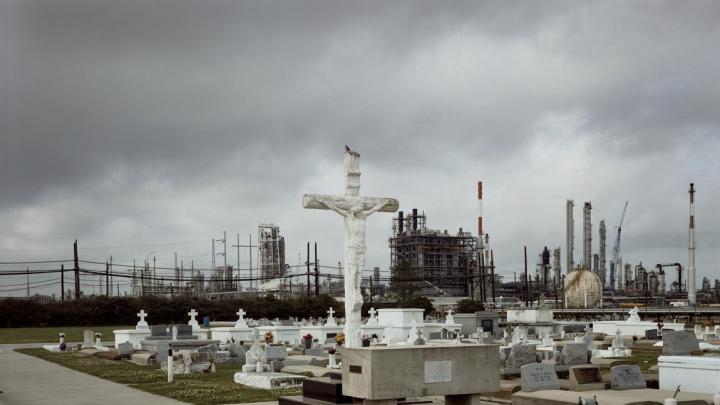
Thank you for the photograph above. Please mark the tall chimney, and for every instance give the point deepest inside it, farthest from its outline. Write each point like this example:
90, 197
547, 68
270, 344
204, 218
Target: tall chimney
556, 266
414, 219
569, 236
601, 267
691, 249
587, 236
401, 222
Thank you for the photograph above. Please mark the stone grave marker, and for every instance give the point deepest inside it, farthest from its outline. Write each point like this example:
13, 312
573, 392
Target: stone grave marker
125, 349
88, 338
158, 330
627, 377
316, 351
521, 355
651, 334
585, 378
537, 377
574, 354
184, 331
275, 352
680, 343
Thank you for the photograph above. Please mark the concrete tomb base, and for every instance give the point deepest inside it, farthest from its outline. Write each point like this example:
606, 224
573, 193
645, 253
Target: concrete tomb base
269, 381
609, 397
693, 373
391, 372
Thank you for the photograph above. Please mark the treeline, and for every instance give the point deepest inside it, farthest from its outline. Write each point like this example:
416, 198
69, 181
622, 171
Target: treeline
123, 310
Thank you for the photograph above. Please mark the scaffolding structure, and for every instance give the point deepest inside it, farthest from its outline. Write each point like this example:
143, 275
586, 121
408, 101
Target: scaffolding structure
271, 252
441, 264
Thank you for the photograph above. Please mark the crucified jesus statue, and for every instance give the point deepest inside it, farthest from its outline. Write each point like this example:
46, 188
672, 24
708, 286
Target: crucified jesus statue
354, 209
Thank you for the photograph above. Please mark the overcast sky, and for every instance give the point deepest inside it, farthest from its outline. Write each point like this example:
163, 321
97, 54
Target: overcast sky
148, 127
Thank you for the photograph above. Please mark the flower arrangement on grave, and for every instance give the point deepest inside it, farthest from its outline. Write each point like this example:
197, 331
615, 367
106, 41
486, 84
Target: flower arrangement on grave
365, 341
269, 337
332, 350
340, 338
308, 339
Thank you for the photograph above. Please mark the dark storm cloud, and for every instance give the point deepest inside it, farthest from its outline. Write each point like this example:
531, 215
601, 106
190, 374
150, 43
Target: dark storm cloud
124, 117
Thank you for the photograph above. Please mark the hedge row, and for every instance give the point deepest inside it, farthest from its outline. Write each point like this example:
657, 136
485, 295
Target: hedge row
123, 310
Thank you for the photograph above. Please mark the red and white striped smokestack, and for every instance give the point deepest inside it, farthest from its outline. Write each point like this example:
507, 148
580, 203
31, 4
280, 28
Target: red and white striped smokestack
480, 218
691, 249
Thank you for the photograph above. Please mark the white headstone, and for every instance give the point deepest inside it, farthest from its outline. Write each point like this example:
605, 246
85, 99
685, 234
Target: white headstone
88, 338
373, 317
193, 322
331, 319
355, 210
241, 323
142, 324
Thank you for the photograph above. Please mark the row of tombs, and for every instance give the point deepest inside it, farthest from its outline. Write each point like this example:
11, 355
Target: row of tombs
534, 356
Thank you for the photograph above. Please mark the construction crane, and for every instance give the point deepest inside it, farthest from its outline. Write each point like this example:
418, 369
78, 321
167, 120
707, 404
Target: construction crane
616, 249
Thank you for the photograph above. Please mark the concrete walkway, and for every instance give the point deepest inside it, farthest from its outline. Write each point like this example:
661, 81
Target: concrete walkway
27, 380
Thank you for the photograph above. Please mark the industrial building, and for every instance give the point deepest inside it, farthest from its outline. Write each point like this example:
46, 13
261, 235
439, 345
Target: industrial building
271, 252
441, 263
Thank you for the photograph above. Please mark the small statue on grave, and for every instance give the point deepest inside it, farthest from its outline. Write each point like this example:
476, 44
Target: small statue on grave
62, 346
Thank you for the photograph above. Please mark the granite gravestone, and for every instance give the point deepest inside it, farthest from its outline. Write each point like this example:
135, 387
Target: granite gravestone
125, 349
627, 377
574, 354
88, 338
537, 377
521, 355
680, 343
585, 378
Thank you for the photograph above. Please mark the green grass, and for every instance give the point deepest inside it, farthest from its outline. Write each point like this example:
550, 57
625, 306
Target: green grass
200, 389
50, 334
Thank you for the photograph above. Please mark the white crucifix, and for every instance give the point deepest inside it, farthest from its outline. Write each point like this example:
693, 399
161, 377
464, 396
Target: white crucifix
241, 319
354, 209
142, 324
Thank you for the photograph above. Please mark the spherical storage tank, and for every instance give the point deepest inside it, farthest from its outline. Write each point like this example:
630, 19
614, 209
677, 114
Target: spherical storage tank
583, 289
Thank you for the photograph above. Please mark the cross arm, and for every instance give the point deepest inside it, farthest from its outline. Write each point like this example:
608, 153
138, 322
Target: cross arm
318, 201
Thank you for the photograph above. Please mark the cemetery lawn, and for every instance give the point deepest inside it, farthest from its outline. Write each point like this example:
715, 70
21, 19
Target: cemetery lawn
50, 334
200, 389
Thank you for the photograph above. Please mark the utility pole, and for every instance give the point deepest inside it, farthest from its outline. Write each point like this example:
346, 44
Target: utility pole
107, 279
111, 274
77, 270
62, 282
27, 271
307, 263
317, 274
